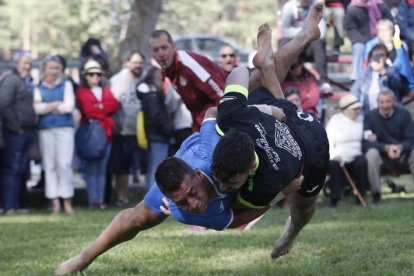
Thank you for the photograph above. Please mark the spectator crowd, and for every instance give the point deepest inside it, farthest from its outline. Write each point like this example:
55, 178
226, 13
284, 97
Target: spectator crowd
144, 111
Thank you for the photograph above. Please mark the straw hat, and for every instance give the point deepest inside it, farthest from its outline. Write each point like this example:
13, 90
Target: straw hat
349, 102
92, 66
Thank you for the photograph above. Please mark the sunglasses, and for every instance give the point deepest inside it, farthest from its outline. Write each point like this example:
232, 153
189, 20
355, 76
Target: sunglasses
94, 74
228, 55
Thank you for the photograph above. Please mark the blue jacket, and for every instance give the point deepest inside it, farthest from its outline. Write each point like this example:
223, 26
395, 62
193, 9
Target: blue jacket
391, 80
405, 20
54, 120
401, 60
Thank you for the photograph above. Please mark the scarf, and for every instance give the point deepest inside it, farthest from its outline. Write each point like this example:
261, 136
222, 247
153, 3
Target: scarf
373, 12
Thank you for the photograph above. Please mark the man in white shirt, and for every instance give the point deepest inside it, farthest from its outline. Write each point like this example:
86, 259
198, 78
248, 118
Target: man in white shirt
126, 155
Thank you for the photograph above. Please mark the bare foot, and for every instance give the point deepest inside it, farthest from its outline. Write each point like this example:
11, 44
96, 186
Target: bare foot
285, 241
70, 266
264, 55
310, 27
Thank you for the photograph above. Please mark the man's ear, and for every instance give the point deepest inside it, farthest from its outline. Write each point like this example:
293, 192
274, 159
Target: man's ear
252, 167
197, 172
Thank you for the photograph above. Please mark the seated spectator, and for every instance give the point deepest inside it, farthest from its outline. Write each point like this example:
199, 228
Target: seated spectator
96, 101
292, 94
344, 131
360, 24
228, 58
294, 13
405, 20
376, 78
302, 79
334, 13
397, 51
54, 102
158, 125
388, 140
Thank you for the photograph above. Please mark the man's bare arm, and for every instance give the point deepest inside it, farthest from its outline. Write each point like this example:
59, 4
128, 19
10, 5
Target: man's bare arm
125, 226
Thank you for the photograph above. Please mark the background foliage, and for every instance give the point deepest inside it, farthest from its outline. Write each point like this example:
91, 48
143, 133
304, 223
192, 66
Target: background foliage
61, 26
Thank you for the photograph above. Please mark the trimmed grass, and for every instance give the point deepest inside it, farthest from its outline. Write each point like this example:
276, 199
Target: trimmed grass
350, 240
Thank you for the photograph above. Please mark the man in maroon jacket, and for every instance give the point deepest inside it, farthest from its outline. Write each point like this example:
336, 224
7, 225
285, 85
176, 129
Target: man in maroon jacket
200, 82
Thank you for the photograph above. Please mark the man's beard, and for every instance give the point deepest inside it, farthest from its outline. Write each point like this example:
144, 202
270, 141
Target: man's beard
136, 73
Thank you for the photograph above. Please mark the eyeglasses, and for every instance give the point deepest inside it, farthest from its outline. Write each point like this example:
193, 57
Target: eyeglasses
228, 55
94, 74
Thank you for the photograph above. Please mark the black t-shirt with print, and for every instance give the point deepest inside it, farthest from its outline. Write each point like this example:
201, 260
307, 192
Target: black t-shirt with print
281, 147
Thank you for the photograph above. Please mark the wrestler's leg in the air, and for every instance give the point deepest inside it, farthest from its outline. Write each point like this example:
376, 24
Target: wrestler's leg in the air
301, 211
286, 55
263, 60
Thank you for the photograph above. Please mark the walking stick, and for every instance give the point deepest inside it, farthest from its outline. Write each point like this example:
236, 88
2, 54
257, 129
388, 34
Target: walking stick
354, 188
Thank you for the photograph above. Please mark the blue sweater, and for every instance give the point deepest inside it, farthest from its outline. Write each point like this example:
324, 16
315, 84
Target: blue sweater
54, 120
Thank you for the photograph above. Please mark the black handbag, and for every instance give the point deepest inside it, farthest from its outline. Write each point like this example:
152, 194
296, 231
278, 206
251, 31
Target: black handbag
91, 141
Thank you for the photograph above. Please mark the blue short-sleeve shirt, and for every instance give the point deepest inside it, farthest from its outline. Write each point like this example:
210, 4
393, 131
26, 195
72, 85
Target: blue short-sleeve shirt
197, 151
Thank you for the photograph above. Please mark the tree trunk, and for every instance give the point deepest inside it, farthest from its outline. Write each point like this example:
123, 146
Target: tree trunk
144, 17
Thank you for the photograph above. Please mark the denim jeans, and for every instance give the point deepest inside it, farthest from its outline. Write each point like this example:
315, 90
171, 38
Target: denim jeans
94, 172
358, 50
157, 153
15, 159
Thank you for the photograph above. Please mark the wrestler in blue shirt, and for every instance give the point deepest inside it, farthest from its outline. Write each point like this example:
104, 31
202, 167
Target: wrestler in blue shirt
197, 152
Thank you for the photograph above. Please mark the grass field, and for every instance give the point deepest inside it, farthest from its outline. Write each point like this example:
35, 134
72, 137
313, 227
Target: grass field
350, 240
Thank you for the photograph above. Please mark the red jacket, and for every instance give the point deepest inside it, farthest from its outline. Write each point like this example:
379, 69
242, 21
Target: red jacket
199, 81
91, 108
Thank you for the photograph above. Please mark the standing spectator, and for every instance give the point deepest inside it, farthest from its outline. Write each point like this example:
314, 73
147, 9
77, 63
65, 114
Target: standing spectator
92, 49
54, 102
198, 80
405, 20
294, 13
125, 155
375, 78
360, 24
335, 13
388, 140
228, 58
302, 79
63, 61
344, 132
158, 126
96, 102
19, 122
397, 51
180, 116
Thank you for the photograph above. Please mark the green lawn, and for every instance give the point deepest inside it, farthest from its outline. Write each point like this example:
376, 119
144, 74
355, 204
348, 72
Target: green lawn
347, 241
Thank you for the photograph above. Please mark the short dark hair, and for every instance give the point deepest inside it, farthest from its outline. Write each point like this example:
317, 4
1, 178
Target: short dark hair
291, 90
170, 173
233, 155
378, 52
158, 33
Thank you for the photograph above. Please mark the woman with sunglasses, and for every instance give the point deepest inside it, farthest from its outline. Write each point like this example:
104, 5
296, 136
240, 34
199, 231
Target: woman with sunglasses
96, 102
54, 102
